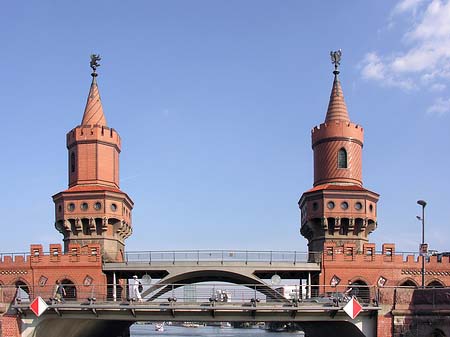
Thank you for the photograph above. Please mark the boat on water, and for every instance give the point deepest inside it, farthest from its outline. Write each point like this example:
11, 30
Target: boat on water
191, 325
159, 327
225, 325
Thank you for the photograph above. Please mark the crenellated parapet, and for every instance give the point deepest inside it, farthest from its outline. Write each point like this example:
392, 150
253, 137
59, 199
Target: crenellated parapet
90, 253
89, 133
337, 130
382, 268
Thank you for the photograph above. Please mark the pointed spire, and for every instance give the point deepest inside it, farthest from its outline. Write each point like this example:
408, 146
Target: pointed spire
337, 110
93, 113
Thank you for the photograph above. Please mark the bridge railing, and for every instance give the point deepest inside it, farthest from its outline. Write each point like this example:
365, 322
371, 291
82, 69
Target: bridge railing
222, 256
202, 293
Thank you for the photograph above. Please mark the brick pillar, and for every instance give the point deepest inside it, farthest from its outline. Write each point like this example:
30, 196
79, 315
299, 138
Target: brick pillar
10, 325
384, 322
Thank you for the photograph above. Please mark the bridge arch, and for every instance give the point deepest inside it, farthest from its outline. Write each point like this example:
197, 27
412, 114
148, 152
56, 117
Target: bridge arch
70, 288
361, 289
208, 275
22, 290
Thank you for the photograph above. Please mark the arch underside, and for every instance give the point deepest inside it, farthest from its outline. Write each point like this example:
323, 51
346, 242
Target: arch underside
173, 281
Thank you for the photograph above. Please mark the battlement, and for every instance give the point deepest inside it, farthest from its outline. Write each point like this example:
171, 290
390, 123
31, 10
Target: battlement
19, 259
93, 133
348, 254
337, 129
76, 253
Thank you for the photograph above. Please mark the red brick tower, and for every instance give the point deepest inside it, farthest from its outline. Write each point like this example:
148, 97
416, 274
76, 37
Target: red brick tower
337, 209
94, 209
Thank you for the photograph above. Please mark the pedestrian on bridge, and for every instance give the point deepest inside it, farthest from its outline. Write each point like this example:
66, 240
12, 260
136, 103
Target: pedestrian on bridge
135, 289
59, 292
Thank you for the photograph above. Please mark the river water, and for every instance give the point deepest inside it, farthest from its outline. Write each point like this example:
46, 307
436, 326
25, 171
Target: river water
144, 330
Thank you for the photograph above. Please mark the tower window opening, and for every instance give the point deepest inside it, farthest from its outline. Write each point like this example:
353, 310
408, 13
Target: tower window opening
342, 158
72, 162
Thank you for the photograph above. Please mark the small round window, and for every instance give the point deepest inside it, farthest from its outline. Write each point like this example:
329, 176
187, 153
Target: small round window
330, 204
84, 206
71, 207
98, 206
358, 206
113, 207
344, 205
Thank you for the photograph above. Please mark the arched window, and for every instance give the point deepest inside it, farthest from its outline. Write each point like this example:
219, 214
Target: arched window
342, 158
72, 162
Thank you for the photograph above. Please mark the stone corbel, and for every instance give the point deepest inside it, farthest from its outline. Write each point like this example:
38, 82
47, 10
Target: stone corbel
351, 224
120, 227
105, 224
78, 224
364, 224
337, 224
324, 223
66, 224
92, 224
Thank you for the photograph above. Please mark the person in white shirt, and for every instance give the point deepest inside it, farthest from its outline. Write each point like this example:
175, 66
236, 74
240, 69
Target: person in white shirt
135, 289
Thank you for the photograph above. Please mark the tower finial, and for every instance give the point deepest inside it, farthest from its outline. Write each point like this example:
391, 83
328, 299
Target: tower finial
336, 60
94, 64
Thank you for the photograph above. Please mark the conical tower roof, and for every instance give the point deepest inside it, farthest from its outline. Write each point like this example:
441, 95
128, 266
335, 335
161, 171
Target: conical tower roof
93, 113
337, 110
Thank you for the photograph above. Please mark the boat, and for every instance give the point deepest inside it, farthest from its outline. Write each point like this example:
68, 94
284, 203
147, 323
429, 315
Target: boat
190, 325
159, 327
225, 325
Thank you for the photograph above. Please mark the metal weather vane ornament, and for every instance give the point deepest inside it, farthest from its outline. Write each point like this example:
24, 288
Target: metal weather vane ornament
336, 58
94, 63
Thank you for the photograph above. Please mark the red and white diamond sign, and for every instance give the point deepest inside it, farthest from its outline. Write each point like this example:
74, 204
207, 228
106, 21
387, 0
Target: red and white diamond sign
353, 308
38, 306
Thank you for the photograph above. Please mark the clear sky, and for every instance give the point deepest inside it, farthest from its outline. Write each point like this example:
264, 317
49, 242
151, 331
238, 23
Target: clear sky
214, 101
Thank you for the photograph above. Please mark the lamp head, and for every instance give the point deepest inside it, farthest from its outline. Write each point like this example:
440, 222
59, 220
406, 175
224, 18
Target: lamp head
422, 203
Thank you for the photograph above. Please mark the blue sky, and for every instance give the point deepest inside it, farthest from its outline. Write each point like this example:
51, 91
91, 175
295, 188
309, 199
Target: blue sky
214, 101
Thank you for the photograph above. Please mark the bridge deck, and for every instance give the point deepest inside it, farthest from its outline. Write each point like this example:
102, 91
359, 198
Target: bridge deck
205, 312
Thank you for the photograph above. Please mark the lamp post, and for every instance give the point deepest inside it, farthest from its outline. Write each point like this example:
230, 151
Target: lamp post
422, 246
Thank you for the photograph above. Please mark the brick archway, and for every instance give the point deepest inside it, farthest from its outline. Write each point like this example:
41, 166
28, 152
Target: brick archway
70, 288
408, 282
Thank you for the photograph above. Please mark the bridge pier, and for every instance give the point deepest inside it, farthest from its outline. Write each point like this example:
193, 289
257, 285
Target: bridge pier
321, 329
57, 327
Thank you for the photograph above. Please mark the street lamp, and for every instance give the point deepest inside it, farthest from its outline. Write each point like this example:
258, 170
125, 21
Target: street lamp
422, 246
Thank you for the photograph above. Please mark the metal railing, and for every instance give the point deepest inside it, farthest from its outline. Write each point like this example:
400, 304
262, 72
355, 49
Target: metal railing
202, 293
222, 256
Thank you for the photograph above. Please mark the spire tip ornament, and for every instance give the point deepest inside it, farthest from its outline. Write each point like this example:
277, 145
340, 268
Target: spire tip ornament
336, 60
94, 64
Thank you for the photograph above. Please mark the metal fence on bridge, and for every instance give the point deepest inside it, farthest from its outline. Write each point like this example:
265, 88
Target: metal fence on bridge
206, 293
243, 256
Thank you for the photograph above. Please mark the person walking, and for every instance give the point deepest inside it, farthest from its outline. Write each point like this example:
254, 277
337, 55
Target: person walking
135, 289
59, 292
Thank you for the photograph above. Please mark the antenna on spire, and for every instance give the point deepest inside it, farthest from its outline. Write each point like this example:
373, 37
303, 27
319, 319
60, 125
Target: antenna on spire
94, 64
336, 60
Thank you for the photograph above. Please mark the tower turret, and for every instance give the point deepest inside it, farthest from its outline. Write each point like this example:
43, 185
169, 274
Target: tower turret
94, 209
338, 208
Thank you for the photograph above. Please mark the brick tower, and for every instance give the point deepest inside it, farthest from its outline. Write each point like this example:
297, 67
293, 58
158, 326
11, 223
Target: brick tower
338, 208
94, 209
